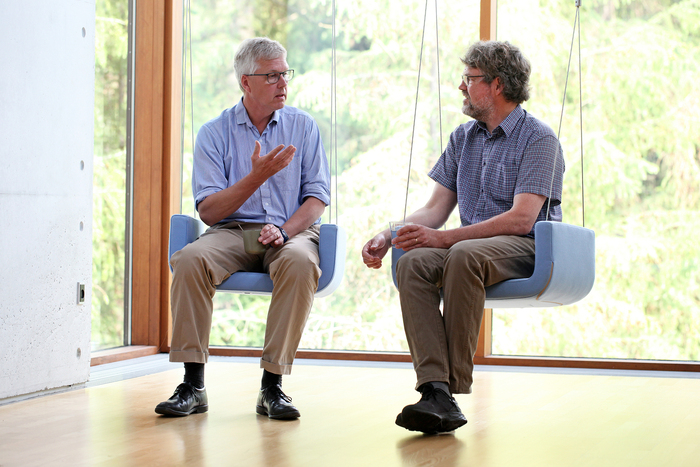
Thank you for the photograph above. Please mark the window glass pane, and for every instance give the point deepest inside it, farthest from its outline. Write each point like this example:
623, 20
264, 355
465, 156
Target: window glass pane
109, 185
378, 52
641, 119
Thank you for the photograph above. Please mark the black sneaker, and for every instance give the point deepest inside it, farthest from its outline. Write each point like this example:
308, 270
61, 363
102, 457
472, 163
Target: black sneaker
436, 412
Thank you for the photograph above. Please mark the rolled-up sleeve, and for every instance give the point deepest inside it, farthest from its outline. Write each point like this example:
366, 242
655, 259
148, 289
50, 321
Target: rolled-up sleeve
315, 174
208, 171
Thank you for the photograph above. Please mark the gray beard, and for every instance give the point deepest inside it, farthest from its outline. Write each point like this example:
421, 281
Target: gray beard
470, 111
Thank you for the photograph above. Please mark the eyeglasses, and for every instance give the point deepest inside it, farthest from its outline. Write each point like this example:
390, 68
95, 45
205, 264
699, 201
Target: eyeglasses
467, 79
273, 78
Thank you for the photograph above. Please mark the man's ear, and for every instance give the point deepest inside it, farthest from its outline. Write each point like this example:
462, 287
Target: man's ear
498, 89
245, 83
499, 85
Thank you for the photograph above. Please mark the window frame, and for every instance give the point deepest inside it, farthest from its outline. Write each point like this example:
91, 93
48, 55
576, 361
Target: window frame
156, 197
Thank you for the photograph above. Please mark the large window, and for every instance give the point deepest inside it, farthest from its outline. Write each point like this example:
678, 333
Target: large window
641, 121
642, 163
378, 51
110, 174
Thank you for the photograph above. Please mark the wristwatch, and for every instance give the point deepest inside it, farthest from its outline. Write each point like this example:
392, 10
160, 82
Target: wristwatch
284, 234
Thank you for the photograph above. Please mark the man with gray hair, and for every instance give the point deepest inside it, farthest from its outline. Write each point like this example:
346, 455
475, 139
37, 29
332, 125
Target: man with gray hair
282, 193
497, 170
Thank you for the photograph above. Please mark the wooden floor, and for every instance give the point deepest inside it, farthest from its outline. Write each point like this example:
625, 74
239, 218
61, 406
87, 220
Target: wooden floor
517, 417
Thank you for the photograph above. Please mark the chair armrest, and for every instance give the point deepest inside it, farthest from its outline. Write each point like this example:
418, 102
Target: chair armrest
183, 230
573, 273
331, 252
564, 270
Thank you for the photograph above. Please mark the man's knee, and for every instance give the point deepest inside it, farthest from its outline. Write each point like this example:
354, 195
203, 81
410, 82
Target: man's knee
462, 256
185, 260
421, 263
192, 265
299, 262
404, 267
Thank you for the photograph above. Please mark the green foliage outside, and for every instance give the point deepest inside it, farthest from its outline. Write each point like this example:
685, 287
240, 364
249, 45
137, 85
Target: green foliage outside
642, 167
641, 118
109, 160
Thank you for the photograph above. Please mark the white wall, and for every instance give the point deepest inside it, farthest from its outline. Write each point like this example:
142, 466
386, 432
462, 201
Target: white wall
46, 143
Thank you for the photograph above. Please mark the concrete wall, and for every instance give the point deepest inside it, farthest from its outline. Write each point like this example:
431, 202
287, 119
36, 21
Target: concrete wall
46, 143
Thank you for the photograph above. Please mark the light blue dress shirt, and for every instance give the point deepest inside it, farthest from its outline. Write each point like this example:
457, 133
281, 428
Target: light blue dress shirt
222, 157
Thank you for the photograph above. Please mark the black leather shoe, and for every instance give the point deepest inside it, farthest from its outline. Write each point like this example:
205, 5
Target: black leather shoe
276, 404
185, 400
436, 412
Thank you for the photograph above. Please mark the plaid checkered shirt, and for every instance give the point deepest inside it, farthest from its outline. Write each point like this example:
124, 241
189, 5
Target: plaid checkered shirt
487, 170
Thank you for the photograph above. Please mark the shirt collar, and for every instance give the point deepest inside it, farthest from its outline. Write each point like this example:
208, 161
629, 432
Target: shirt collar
508, 123
243, 118
241, 114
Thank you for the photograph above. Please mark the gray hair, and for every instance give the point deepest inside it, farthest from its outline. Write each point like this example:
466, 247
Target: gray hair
504, 61
251, 51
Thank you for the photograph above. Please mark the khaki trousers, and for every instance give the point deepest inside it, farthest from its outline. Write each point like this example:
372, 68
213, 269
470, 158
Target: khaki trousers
443, 344
212, 258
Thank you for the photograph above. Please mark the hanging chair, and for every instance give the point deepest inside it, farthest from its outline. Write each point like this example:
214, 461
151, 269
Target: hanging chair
564, 270
331, 252
564, 254
185, 229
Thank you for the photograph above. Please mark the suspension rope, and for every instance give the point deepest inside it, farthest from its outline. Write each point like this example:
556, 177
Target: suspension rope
415, 111
577, 21
334, 121
183, 73
187, 47
580, 112
437, 52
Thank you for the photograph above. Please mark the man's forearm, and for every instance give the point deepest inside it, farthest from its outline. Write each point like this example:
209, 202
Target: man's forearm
222, 204
517, 221
310, 210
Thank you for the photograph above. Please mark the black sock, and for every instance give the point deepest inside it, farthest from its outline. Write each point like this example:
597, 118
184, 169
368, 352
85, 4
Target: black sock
194, 374
436, 385
270, 379
440, 385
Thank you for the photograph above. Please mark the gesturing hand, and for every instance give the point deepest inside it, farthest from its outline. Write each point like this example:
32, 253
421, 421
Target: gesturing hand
266, 166
374, 251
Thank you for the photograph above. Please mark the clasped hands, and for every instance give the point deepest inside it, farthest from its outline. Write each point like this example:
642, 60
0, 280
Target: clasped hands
270, 235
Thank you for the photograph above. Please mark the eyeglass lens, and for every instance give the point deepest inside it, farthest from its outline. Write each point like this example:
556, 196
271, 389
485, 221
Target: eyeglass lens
273, 78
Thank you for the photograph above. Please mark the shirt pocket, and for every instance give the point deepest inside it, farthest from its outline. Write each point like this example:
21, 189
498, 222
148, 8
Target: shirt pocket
504, 178
284, 180
289, 178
